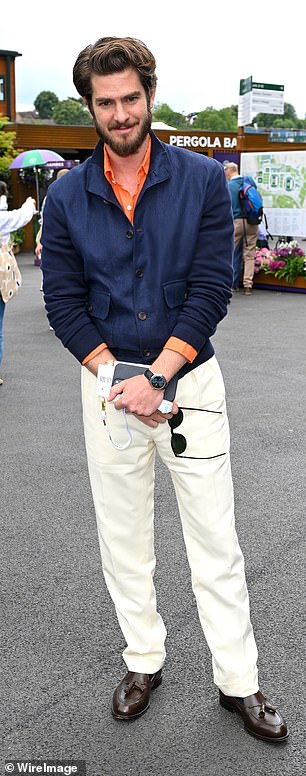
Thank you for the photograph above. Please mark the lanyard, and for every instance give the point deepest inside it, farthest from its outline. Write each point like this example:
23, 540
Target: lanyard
117, 445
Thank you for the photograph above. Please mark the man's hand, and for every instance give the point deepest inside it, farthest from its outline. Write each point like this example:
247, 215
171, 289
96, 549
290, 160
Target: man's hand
138, 397
38, 250
158, 417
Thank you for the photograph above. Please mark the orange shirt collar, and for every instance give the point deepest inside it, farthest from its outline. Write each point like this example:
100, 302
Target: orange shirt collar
143, 167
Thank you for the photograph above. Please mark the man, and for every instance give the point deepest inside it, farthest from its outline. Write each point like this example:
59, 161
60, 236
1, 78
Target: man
137, 262
244, 232
38, 248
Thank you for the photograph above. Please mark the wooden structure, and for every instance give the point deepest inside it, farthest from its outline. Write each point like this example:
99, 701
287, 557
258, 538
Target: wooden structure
7, 83
77, 143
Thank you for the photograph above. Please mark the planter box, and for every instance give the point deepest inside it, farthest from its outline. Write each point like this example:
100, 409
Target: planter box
271, 283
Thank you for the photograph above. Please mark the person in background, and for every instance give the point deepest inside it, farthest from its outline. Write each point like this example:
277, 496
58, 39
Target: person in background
38, 248
243, 231
3, 196
263, 235
237, 265
10, 220
130, 277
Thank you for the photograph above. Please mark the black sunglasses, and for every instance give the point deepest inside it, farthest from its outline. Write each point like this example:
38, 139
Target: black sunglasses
178, 441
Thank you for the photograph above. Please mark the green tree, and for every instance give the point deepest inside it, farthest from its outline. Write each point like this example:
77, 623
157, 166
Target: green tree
7, 149
162, 112
45, 103
71, 112
287, 120
76, 99
224, 120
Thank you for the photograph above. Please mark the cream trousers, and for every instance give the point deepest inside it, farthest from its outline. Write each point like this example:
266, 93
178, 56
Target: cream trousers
247, 232
122, 483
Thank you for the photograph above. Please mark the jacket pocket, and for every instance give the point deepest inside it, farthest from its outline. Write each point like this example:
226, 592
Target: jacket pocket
175, 293
98, 304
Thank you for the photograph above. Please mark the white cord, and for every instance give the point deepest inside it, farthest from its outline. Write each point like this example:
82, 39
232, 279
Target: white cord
117, 445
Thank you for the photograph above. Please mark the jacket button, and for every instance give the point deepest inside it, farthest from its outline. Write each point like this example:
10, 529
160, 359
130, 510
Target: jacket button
142, 316
147, 353
129, 234
90, 308
139, 272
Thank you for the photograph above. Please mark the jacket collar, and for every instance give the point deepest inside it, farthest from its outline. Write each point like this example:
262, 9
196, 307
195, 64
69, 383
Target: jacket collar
97, 183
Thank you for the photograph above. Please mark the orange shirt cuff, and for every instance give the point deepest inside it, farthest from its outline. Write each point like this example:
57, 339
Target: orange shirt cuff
181, 347
94, 352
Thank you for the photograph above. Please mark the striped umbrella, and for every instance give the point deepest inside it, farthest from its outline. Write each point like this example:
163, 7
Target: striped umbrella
37, 157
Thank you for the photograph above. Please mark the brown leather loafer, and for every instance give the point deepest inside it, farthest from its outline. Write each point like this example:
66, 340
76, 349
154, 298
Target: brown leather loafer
261, 719
132, 696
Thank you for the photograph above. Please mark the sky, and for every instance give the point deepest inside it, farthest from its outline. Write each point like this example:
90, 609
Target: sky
202, 49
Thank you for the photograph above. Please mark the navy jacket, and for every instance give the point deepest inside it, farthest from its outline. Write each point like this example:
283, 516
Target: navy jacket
135, 286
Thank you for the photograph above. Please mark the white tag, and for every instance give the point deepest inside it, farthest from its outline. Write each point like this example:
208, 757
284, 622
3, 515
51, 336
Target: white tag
105, 379
165, 406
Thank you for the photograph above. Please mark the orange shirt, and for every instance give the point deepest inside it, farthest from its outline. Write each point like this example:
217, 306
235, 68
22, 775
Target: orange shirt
128, 203
127, 200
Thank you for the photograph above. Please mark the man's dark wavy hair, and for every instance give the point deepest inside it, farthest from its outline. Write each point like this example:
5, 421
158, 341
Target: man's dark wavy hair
113, 55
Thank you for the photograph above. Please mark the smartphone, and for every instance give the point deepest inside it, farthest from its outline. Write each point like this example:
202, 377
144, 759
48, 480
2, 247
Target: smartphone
124, 370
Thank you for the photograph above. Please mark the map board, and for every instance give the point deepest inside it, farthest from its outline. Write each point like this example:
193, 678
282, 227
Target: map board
281, 180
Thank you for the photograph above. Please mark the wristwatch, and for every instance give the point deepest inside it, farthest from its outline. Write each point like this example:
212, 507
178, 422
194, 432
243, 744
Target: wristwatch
158, 382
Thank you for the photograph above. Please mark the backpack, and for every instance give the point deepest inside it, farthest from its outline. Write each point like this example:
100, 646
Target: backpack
250, 201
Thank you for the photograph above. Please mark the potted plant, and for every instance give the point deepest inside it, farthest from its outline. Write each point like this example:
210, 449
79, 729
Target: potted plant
284, 267
17, 239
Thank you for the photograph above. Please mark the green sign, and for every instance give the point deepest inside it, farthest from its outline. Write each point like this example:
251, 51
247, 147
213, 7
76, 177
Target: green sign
245, 85
268, 87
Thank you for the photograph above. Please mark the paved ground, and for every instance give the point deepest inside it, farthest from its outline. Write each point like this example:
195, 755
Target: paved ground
61, 644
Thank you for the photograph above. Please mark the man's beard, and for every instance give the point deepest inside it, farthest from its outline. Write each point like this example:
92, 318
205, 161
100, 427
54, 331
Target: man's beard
123, 146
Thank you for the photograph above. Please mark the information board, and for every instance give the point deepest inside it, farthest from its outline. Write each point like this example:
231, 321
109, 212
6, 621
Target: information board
281, 180
255, 97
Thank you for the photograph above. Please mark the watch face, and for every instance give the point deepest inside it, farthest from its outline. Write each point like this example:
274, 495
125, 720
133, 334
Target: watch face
158, 381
